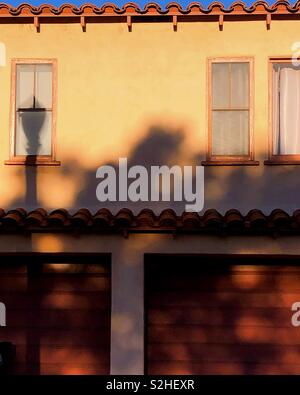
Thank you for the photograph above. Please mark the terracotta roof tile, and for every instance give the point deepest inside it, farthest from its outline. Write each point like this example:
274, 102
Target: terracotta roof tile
281, 7
280, 219
296, 217
14, 218
58, 218
103, 218
191, 220
81, 218
233, 218
124, 218
36, 217
212, 218
211, 221
167, 218
256, 219
146, 218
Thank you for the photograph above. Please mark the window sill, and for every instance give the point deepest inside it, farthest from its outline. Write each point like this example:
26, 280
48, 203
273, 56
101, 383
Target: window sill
230, 163
281, 162
35, 162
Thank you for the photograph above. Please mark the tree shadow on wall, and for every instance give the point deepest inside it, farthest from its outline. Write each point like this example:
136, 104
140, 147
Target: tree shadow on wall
226, 187
159, 147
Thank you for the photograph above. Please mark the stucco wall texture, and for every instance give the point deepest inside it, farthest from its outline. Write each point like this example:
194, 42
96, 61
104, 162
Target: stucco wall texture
143, 95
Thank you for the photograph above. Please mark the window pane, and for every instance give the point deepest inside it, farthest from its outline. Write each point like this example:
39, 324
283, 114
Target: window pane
43, 86
286, 114
33, 133
240, 85
230, 133
220, 85
25, 85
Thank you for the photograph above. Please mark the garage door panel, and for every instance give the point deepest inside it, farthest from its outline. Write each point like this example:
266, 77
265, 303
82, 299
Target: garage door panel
219, 266
58, 282
72, 300
56, 353
214, 316
220, 353
47, 318
58, 316
210, 368
81, 267
210, 317
231, 335
64, 368
54, 336
211, 299
247, 281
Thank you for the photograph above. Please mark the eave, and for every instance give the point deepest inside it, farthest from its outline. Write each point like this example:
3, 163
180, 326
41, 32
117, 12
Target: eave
233, 222
130, 13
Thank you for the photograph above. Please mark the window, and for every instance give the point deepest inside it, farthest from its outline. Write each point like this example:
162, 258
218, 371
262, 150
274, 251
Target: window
33, 111
230, 111
285, 114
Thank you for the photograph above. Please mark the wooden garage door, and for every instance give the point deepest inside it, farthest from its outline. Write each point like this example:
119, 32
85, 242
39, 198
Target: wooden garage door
58, 315
207, 316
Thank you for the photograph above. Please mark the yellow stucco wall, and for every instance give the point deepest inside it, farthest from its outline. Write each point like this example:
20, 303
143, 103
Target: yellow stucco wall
116, 87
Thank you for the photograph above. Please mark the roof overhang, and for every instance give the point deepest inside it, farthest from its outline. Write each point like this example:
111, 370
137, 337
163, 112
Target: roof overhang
26, 13
255, 222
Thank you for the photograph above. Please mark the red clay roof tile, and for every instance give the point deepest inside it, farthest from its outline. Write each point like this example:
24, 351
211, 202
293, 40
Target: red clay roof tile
211, 221
281, 7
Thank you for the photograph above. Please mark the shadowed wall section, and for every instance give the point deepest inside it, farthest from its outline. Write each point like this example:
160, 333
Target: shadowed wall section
133, 103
